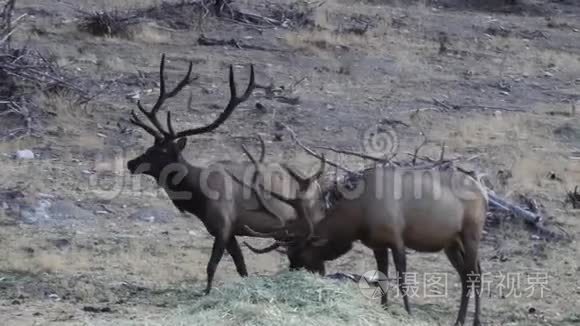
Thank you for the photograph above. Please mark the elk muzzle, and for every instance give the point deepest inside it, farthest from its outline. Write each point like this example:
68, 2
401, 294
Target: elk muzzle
137, 166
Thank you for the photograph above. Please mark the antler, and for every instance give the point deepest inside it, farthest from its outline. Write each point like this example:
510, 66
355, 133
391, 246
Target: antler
232, 104
274, 246
160, 133
297, 203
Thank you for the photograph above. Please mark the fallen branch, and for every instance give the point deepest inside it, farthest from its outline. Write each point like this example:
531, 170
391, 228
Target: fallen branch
474, 106
525, 215
487, 107
347, 152
246, 17
536, 221
445, 106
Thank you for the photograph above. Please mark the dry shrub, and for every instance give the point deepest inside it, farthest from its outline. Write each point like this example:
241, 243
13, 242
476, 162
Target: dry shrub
107, 23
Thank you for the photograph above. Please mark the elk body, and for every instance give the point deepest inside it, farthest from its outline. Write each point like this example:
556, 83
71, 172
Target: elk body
427, 210
225, 208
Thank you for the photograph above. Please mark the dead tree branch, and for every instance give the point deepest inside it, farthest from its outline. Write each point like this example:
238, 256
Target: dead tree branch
456, 107
347, 152
311, 152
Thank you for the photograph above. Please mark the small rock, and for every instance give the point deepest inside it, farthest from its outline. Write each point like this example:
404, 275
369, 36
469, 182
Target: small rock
24, 154
260, 107
193, 233
61, 243
548, 74
54, 297
96, 310
153, 215
133, 96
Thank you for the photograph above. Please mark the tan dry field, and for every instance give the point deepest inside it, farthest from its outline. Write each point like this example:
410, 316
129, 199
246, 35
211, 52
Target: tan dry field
346, 84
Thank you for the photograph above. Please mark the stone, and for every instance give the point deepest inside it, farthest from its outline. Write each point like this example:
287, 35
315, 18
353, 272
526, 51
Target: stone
25, 154
153, 215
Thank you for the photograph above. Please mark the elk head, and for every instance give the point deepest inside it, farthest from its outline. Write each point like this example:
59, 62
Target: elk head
306, 204
168, 145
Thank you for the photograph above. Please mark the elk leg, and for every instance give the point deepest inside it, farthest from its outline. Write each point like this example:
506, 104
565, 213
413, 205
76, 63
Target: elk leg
476, 321
401, 266
472, 270
382, 258
455, 255
217, 252
233, 248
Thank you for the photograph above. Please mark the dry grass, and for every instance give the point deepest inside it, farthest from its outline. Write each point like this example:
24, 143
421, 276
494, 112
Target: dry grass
115, 250
132, 261
324, 43
525, 144
149, 34
284, 299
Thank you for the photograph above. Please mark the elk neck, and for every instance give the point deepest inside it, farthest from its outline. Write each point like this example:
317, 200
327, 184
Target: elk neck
182, 184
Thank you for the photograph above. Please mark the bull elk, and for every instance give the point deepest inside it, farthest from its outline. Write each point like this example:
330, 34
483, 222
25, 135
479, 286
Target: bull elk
225, 209
427, 210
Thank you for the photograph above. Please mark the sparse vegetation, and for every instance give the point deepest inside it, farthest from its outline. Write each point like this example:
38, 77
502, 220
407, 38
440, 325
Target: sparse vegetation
501, 95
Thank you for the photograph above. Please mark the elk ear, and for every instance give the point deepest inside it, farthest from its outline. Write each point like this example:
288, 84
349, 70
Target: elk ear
181, 142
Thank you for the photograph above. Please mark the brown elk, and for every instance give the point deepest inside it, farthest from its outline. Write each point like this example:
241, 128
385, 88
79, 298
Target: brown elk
425, 209
208, 192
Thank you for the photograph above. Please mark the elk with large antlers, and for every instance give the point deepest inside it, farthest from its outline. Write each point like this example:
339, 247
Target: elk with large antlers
427, 210
208, 192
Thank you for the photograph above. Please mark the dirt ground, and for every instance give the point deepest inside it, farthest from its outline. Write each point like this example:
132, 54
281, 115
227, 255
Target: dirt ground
508, 79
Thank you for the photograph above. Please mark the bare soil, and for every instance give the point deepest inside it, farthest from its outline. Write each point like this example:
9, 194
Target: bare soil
508, 76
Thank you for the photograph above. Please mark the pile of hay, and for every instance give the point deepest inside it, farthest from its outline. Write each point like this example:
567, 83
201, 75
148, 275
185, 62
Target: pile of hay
289, 298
